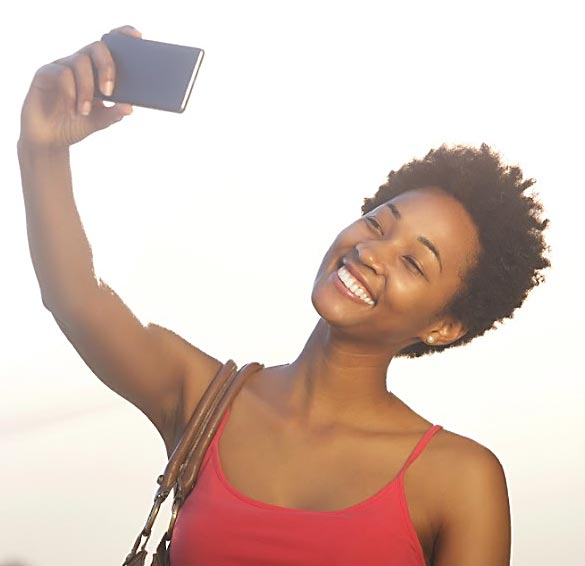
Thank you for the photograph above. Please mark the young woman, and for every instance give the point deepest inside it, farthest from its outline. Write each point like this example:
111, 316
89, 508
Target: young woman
318, 463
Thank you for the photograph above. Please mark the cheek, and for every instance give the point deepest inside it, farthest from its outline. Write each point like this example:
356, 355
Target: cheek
421, 304
406, 293
410, 304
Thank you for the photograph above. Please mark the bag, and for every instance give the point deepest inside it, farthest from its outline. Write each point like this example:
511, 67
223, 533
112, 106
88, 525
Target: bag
183, 466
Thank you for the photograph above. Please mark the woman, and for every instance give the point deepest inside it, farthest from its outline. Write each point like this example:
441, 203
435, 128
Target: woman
319, 464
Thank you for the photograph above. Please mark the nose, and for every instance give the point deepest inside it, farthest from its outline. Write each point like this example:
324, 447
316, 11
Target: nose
375, 254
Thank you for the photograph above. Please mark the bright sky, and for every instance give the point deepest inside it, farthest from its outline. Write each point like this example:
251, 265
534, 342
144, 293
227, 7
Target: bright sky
213, 223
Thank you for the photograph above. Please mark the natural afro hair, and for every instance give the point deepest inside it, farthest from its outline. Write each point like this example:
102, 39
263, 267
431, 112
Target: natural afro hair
509, 221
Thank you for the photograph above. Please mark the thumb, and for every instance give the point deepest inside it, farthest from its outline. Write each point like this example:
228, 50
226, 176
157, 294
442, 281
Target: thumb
103, 116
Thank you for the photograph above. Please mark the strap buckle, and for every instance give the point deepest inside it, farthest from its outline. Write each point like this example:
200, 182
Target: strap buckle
174, 514
158, 501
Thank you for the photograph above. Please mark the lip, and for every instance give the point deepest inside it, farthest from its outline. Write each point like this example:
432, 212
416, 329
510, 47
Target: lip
347, 293
351, 267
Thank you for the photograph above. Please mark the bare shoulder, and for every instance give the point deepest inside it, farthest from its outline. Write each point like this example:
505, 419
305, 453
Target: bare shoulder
199, 368
475, 514
463, 447
457, 456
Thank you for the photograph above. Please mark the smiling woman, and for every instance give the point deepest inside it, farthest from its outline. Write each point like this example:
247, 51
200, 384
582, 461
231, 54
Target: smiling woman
315, 462
409, 253
508, 230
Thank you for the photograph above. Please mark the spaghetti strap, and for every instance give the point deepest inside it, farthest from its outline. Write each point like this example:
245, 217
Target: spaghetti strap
420, 446
221, 426
214, 444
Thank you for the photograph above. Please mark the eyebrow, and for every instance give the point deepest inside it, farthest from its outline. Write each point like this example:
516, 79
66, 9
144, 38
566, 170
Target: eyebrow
394, 210
421, 239
432, 247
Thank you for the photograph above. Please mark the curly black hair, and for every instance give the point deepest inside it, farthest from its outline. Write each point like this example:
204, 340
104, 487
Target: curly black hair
509, 221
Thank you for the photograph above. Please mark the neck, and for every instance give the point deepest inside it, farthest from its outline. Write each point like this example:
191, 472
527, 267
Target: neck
334, 381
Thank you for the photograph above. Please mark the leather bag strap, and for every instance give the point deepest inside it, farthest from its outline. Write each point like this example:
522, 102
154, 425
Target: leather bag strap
204, 436
183, 466
200, 415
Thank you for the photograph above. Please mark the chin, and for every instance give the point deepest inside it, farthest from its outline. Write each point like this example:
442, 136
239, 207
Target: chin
326, 308
334, 309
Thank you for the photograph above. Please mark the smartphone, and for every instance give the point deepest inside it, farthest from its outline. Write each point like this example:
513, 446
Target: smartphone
151, 74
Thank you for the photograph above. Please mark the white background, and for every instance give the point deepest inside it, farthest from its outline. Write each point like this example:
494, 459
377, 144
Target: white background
213, 223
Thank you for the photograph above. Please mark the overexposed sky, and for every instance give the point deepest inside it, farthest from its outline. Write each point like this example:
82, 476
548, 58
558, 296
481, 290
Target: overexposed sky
213, 223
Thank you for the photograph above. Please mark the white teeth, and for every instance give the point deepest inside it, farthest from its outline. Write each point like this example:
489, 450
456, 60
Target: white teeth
350, 282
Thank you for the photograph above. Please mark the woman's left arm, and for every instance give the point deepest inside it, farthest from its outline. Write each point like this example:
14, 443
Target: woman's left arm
476, 527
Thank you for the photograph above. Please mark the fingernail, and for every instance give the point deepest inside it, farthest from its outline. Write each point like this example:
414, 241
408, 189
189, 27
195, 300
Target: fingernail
86, 108
108, 88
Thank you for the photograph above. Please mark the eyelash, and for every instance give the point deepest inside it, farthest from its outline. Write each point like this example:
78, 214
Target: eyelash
414, 264
373, 222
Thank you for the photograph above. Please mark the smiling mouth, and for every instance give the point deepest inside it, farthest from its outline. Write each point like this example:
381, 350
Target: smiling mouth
354, 287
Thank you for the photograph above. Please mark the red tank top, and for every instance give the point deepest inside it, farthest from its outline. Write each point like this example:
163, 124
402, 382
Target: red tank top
220, 526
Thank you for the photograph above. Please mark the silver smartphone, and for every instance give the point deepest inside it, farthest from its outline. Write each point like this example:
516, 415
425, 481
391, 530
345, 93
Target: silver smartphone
151, 74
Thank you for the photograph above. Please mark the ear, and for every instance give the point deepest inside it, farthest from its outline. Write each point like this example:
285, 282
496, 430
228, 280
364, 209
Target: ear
444, 332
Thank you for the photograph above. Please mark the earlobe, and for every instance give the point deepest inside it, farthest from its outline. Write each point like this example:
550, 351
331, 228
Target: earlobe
449, 331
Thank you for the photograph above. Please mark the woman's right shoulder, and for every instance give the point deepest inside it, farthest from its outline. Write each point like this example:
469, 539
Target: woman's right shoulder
200, 369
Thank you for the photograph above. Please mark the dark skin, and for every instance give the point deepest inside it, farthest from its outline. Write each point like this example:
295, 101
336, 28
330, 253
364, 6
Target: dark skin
322, 433
340, 376
328, 415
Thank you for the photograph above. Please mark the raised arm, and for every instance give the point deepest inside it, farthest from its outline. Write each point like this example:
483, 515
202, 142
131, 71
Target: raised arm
156, 370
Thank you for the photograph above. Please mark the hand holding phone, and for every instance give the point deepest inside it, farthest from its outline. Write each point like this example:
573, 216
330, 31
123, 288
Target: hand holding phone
60, 108
151, 74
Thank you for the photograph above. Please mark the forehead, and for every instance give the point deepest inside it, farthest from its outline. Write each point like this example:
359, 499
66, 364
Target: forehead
435, 214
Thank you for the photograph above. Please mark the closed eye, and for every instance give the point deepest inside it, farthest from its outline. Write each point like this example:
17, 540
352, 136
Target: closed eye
413, 263
372, 221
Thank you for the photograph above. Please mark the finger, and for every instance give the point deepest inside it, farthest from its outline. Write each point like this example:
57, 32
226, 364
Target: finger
103, 116
124, 109
80, 65
84, 82
103, 63
127, 30
120, 108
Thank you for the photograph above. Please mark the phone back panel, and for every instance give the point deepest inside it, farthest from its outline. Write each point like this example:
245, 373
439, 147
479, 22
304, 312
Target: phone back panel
151, 73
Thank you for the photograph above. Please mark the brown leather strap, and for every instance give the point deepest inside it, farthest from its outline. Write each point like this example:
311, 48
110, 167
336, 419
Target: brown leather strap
188, 474
200, 414
185, 461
